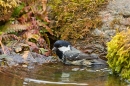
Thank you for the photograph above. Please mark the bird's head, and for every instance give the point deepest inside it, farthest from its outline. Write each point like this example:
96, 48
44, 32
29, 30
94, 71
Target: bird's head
60, 47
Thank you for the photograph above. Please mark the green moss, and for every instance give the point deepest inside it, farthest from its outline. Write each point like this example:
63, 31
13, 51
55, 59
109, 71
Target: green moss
119, 54
75, 18
6, 8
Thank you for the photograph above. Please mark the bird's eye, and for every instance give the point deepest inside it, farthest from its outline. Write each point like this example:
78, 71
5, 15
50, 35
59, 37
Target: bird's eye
60, 45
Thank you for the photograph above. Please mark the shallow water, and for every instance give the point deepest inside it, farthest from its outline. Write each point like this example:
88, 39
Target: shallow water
57, 74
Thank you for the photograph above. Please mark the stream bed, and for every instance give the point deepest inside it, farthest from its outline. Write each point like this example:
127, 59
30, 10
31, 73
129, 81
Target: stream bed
57, 74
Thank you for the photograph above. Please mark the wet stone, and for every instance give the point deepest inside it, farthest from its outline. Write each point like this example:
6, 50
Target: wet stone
94, 55
75, 69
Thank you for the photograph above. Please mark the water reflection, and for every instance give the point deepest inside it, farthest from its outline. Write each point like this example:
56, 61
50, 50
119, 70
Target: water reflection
10, 80
65, 77
60, 75
115, 81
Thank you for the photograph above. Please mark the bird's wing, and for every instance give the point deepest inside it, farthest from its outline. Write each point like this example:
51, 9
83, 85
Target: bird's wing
76, 50
75, 55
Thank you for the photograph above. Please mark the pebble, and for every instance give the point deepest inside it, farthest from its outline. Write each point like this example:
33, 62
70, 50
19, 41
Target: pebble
75, 69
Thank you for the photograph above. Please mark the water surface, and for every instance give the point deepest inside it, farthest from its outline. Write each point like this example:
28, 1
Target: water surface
57, 74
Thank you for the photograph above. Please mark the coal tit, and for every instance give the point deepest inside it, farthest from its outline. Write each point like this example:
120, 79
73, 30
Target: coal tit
66, 52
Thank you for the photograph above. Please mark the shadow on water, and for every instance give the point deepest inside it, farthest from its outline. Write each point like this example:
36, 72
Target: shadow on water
57, 74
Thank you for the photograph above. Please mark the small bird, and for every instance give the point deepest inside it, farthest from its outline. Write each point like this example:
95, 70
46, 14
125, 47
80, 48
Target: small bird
67, 53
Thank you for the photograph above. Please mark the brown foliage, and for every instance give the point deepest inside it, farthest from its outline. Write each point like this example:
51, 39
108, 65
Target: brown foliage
29, 23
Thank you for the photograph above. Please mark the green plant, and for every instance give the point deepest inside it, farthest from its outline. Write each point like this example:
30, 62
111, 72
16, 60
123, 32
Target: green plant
119, 54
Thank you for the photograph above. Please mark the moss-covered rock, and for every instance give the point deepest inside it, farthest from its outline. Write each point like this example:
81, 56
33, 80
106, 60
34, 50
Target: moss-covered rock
119, 54
74, 19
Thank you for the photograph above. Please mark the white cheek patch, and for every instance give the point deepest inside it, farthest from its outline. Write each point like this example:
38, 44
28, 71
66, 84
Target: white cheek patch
64, 49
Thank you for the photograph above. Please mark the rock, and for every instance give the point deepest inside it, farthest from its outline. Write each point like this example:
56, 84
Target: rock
94, 55
117, 7
97, 32
106, 16
125, 21
75, 69
115, 17
110, 32
79, 62
99, 46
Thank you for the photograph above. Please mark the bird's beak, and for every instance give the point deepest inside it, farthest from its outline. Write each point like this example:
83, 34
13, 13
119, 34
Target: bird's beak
54, 49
